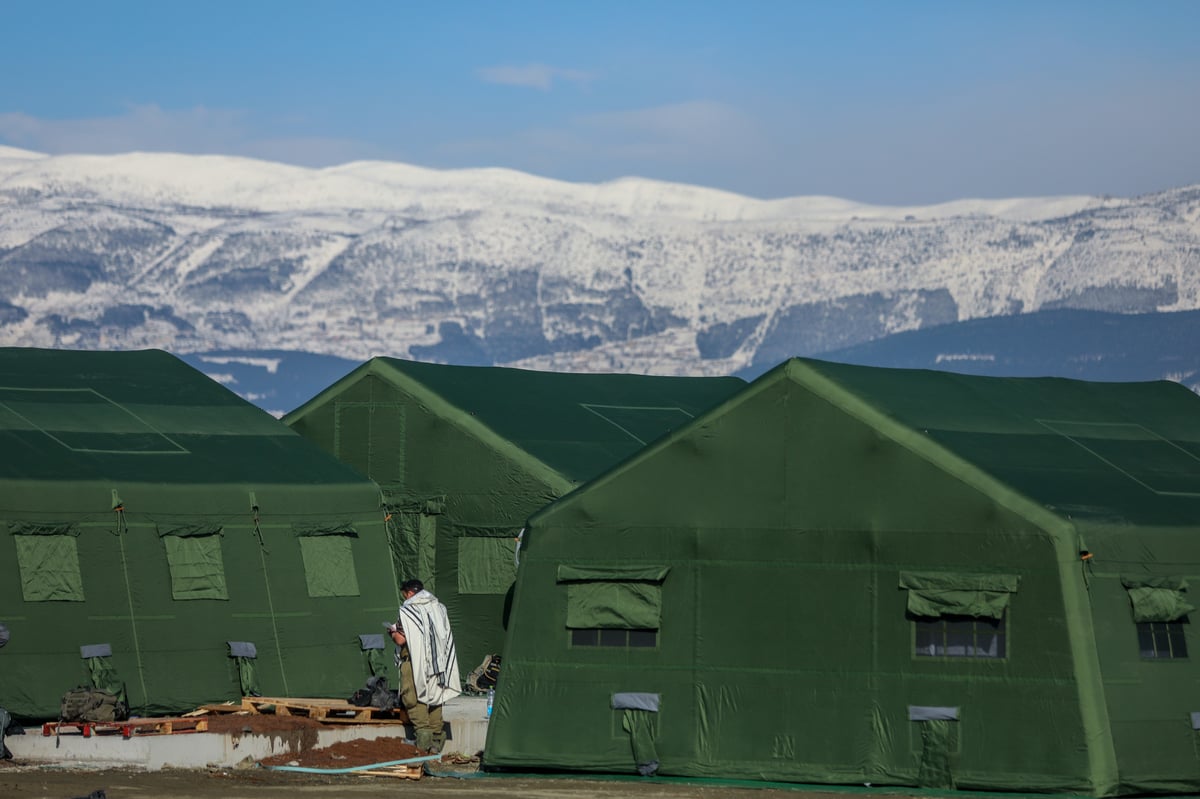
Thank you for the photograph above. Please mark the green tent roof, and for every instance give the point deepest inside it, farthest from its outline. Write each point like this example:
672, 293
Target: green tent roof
142, 417
576, 424
1099, 452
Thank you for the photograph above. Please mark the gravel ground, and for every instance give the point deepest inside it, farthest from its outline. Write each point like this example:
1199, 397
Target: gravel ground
42, 782
38, 781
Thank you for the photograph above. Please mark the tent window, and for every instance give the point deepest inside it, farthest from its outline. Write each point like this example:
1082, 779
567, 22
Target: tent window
1162, 640
197, 570
623, 639
329, 565
49, 566
960, 637
621, 598
1157, 599
933, 595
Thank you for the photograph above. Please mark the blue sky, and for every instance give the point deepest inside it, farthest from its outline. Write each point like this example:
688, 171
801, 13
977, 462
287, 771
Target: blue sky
894, 102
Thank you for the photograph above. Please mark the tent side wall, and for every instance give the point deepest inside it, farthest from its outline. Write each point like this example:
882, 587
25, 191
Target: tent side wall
1151, 699
168, 607
457, 503
784, 650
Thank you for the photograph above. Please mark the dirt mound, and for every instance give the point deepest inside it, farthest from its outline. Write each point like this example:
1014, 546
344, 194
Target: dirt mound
347, 754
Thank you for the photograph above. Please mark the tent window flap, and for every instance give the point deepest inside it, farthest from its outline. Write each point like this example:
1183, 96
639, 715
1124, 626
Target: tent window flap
613, 597
49, 567
329, 565
1157, 599
324, 528
197, 570
937, 594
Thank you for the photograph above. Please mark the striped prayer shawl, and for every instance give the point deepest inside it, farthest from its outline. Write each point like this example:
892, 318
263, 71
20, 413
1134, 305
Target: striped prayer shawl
431, 648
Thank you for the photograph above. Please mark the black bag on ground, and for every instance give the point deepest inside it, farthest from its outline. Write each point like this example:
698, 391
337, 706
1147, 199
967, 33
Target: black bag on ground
7, 727
374, 694
92, 704
485, 675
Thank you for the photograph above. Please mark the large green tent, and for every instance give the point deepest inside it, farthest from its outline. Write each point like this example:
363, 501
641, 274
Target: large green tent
161, 536
858, 575
465, 454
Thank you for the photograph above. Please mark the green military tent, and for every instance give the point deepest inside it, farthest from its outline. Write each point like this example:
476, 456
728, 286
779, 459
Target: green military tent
858, 575
163, 537
465, 454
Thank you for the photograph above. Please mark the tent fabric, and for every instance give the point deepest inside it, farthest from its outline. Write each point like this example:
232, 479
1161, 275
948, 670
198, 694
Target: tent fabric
614, 605
640, 726
372, 647
793, 515
653, 574
486, 564
324, 528
329, 565
936, 594
613, 597
190, 530
197, 568
103, 675
464, 454
1157, 599
43, 528
155, 509
245, 654
49, 568
937, 740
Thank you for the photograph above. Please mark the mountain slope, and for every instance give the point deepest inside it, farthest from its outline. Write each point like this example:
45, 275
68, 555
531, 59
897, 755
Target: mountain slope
201, 253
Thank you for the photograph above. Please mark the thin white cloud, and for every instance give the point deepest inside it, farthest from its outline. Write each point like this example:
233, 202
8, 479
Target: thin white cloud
701, 131
700, 128
141, 127
191, 130
532, 76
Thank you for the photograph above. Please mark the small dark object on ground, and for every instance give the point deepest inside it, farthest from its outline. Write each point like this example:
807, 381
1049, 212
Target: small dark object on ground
96, 794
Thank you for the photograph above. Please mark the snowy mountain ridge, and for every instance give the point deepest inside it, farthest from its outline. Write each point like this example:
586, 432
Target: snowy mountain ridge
199, 253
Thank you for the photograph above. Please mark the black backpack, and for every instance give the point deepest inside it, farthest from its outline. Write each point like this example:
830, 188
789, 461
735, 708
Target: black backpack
374, 694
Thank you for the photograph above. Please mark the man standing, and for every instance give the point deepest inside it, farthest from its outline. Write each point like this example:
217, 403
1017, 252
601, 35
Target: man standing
427, 662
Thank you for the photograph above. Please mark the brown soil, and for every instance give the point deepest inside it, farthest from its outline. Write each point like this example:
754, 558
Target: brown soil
259, 724
300, 732
347, 754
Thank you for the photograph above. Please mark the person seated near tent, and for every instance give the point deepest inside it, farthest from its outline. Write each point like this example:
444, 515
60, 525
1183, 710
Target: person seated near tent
427, 661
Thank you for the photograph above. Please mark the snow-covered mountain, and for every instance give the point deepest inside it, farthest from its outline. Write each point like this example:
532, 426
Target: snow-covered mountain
203, 253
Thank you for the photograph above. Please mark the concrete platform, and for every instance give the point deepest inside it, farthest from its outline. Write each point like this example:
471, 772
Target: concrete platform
466, 732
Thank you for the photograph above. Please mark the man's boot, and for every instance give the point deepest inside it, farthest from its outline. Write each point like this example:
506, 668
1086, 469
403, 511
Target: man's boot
424, 740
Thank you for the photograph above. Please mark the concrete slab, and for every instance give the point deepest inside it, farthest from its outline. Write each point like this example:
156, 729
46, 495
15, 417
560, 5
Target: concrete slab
465, 718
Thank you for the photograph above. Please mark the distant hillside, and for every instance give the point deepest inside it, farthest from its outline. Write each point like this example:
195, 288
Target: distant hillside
1088, 345
487, 266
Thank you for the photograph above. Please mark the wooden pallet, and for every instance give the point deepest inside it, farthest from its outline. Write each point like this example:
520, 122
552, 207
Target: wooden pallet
408, 771
327, 710
227, 708
127, 729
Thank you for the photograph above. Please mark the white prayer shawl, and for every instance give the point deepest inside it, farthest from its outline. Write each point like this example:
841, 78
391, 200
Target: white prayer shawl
430, 648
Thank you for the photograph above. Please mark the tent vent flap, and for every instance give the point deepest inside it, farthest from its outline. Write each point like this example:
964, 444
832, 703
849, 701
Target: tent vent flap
244, 653
638, 720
